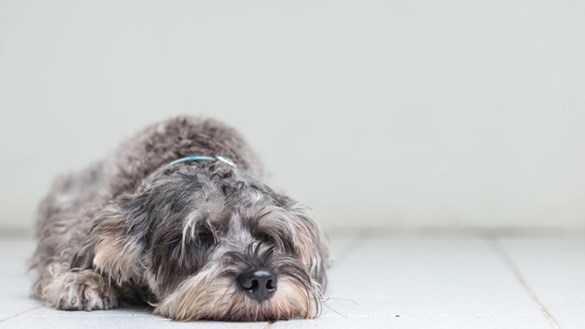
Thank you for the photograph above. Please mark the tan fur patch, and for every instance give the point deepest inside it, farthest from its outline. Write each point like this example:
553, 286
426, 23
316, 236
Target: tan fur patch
204, 296
117, 258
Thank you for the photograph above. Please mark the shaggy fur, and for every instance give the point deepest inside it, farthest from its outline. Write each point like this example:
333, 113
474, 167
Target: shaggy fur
131, 227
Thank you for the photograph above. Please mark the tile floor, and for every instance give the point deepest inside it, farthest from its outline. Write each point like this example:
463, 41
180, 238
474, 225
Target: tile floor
383, 280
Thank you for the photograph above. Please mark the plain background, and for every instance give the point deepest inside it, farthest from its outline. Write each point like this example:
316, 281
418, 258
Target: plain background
374, 113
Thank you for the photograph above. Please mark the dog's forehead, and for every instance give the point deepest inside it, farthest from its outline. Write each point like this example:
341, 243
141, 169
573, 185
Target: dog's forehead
236, 206
246, 222
238, 230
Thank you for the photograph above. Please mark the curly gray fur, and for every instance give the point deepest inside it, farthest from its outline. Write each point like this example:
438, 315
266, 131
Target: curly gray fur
130, 227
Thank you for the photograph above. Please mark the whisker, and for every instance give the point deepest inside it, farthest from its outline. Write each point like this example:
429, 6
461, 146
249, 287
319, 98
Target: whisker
341, 299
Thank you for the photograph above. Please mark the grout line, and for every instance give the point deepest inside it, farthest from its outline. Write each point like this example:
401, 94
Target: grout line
507, 259
356, 241
18, 314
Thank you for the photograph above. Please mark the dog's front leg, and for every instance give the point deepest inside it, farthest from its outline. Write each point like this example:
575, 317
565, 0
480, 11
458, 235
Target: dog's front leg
68, 289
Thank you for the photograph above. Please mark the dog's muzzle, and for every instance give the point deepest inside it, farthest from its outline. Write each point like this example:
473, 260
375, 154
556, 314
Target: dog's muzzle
259, 284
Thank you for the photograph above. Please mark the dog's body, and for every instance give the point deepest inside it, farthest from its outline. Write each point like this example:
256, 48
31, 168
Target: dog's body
195, 239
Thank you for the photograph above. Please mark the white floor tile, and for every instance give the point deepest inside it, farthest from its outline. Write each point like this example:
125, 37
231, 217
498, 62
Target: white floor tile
14, 279
101, 320
447, 321
340, 243
439, 283
554, 269
12, 305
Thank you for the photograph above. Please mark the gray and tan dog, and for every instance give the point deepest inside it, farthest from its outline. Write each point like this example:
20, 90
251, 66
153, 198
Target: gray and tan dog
170, 220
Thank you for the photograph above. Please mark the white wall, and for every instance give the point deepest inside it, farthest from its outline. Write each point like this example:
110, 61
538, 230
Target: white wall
467, 113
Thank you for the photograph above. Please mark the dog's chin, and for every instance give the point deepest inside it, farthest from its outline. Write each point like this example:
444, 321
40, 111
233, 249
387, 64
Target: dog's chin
203, 298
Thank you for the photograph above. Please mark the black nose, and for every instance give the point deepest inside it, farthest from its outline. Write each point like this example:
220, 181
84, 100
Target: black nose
258, 284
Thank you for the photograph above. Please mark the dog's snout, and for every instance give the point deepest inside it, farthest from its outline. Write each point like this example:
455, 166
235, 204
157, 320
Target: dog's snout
258, 284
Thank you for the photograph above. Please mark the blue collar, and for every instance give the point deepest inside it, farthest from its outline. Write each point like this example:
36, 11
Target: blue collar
202, 158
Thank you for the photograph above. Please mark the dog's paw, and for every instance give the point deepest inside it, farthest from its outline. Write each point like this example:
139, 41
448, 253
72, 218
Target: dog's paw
85, 290
87, 296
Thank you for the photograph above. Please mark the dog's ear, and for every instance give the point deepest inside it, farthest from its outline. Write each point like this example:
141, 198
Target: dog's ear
312, 243
115, 243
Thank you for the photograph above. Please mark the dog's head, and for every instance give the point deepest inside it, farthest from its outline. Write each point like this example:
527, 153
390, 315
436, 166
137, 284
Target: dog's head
212, 242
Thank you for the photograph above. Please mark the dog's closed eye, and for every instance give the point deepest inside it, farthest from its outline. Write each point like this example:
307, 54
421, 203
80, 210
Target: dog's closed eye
205, 239
265, 238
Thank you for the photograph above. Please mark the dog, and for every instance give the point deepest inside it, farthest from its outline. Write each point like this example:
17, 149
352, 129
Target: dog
179, 217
